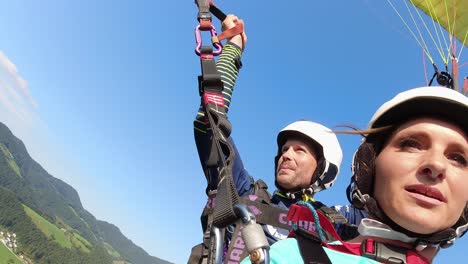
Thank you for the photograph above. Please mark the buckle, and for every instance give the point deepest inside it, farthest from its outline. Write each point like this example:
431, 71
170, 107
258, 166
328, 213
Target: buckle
383, 253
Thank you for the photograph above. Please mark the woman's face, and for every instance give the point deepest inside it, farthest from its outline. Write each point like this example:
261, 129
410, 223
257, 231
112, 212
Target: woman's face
421, 178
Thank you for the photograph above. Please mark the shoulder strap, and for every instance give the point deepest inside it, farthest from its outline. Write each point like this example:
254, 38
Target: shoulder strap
311, 250
369, 248
261, 190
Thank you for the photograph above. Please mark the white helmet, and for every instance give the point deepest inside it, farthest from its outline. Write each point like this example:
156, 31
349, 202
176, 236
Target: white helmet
433, 101
438, 102
330, 150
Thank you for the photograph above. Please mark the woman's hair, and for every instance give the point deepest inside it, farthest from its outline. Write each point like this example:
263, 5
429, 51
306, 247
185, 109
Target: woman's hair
377, 136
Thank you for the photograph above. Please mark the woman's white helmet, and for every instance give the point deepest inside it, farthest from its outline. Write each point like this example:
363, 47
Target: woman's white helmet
329, 148
439, 102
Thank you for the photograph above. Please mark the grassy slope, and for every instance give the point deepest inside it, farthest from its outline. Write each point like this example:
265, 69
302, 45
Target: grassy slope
6, 255
111, 250
69, 240
10, 160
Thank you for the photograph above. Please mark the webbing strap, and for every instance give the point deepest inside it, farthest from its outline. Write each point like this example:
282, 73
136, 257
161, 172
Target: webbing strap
267, 214
236, 30
369, 248
210, 79
312, 252
204, 16
237, 250
217, 12
224, 214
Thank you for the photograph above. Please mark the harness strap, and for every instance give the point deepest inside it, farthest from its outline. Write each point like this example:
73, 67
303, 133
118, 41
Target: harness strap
204, 16
216, 11
312, 251
237, 250
267, 214
238, 29
259, 204
382, 252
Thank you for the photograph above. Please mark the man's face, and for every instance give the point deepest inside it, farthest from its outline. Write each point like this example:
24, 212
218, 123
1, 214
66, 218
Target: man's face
296, 165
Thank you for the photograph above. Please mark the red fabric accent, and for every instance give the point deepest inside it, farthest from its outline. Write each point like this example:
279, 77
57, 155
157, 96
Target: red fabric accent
414, 257
454, 68
465, 86
238, 29
213, 98
205, 24
206, 56
298, 212
369, 246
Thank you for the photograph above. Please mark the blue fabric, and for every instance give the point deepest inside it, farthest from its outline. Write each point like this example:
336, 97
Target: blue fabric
287, 252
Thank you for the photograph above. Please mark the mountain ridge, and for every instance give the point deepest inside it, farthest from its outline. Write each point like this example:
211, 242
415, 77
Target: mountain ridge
59, 202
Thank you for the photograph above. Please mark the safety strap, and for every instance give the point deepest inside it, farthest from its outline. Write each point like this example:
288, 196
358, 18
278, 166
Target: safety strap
223, 196
369, 248
266, 214
311, 250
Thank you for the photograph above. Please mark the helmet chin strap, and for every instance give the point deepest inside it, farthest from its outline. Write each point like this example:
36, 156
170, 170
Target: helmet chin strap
444, 238
316, 186
304, 194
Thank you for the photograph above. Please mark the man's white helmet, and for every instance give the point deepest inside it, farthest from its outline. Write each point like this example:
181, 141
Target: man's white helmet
330, 150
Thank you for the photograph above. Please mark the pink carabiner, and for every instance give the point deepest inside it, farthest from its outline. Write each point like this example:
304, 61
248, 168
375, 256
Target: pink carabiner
198, 39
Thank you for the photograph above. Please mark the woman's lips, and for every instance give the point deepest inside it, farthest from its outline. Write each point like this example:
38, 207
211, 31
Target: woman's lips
426, 194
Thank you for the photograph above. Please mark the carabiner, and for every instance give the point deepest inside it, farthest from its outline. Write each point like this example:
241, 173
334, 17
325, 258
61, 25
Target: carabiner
198, 39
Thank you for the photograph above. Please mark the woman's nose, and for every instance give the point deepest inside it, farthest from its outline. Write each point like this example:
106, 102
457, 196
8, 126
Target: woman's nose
434, 165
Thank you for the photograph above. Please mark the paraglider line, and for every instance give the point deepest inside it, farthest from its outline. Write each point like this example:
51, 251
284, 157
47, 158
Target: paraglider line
419, 31
434, 17
425, 69
411, 31
463, 46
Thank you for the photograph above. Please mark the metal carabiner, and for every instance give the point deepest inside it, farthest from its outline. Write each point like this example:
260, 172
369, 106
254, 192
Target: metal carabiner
216, 241
254, 238
198, 39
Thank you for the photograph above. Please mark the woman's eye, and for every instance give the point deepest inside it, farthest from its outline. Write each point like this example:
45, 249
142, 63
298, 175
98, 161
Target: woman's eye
459, 159
409, 144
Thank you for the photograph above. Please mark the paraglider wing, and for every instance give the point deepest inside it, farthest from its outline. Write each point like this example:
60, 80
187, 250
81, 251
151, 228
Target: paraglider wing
450, 14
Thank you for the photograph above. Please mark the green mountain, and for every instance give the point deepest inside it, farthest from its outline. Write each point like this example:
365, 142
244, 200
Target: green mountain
49, 219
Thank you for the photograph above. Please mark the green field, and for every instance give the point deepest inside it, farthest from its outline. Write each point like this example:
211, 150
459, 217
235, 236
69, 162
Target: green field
65, 238
81, 243
7, 257
111, 250
50, 230
10, 160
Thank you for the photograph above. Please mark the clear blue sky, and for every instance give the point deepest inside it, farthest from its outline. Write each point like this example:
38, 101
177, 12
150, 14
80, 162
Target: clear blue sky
103, 93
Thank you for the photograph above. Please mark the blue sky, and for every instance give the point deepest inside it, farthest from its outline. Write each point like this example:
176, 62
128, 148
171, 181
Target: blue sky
103, 93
